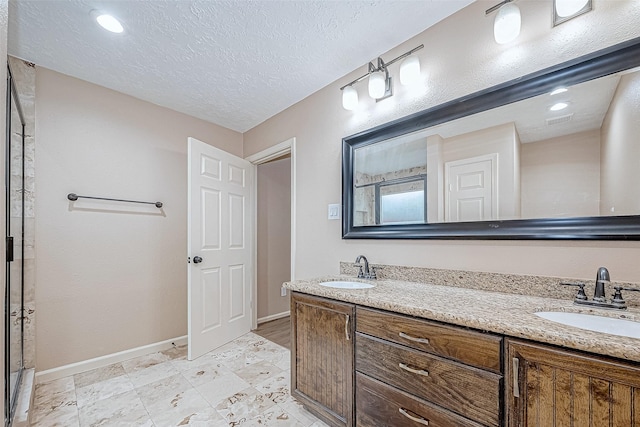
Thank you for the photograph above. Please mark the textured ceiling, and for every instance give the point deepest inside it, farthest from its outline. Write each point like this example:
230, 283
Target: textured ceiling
233, 63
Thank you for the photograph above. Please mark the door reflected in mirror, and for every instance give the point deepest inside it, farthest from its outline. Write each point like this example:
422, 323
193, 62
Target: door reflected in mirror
526, 160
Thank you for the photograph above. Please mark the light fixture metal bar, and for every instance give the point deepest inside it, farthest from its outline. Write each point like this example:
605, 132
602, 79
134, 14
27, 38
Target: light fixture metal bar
496, 7
384, 65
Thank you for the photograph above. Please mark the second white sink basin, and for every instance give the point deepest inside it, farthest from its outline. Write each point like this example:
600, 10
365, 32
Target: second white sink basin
347, 285
607, 325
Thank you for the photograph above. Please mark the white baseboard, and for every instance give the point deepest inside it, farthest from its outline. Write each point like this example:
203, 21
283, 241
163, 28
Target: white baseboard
106, 360
273, 317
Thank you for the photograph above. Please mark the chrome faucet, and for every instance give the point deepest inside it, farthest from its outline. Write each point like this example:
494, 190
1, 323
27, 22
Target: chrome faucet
599, 296
602, 278
365, 274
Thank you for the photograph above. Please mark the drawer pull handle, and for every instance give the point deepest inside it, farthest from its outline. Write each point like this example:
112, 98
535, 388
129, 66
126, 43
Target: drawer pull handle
516, 373
413, 370
409, 337
414, 417
346, 327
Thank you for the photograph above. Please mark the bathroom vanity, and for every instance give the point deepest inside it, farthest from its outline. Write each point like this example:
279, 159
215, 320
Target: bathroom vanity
411, 354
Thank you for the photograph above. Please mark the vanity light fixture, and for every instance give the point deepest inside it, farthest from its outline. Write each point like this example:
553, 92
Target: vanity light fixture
410, 70
106, 21
380, 83
558, 106
349, 98
506, 26
558, 91
564, 10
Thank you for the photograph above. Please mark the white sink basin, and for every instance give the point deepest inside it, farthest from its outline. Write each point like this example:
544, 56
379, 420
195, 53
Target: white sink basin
607, 325
347, 285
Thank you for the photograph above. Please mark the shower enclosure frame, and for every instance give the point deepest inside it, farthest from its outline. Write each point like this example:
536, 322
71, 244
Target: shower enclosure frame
11, 392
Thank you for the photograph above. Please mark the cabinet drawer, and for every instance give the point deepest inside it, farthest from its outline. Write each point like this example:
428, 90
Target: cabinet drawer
379, 405
463, 389
473, 348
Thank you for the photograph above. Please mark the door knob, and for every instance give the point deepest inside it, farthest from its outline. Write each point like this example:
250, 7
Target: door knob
197, 259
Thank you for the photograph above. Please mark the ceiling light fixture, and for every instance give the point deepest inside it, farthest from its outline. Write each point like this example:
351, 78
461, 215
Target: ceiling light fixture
108, 22
380, 83
558, 91
564, 10
506, 26
558, 106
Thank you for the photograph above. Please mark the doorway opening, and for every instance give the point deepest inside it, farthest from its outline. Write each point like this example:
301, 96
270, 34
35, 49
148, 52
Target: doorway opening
275, 230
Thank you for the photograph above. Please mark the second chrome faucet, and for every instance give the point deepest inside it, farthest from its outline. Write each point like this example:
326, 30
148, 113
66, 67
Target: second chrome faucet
365, 273
599, 294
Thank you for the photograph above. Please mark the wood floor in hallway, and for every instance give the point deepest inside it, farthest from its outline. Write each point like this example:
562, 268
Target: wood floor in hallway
278, 331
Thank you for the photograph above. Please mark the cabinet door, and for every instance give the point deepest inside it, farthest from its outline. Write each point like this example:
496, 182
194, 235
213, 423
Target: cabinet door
322, 357
552, 387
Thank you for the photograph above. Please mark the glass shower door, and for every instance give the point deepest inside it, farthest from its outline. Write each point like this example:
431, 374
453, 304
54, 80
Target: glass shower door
14, 291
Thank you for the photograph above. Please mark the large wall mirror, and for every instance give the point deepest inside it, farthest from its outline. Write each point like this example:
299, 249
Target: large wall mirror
551, 155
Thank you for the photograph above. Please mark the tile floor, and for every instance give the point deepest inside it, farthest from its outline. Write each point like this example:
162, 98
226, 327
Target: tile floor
245, 382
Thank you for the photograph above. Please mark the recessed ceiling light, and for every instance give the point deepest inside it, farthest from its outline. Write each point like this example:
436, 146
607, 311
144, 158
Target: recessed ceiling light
559, 106
558, 91
108, 22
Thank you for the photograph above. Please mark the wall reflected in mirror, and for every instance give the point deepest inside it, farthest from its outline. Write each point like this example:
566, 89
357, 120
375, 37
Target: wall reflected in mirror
524, 160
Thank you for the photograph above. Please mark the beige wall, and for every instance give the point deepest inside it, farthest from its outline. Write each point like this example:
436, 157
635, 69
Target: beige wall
274, 235
460, 57
110, 278
435, 179
3, 136
621, 151
561, 176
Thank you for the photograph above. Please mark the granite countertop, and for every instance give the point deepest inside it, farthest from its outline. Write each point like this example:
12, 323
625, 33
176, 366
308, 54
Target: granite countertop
507, 314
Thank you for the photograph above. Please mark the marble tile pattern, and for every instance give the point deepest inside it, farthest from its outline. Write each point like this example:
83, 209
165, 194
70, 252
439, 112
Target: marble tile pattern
243, 383
507, 314
520, 284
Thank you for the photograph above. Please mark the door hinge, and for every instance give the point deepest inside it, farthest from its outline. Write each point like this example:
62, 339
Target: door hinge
516, 375
9, 248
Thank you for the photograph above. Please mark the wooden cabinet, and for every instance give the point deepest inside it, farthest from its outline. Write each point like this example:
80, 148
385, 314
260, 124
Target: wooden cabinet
379, 404
553, 387
414, 371
469, 347
322, 352
404, 371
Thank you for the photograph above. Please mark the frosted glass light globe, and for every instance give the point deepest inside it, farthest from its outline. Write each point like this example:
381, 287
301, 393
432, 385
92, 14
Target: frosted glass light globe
410, 70
349, 98
377, 85
566, 8
506, 27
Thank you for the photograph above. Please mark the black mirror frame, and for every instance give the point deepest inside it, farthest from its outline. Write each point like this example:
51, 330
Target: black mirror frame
611, 60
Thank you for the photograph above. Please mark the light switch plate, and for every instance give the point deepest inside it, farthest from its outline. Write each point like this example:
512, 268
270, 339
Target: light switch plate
334, 211
283, 291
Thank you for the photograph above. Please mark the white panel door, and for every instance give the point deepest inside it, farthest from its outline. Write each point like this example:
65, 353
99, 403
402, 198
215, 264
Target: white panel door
472, 189
220, 247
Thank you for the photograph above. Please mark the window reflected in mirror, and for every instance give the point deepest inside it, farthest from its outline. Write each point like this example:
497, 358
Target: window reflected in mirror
390, 180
